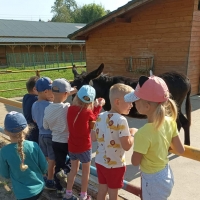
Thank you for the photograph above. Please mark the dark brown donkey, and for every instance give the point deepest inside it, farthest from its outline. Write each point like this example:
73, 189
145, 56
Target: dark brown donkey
178, 84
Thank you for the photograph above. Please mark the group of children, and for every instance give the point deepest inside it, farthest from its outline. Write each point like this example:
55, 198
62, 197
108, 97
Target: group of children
63, 130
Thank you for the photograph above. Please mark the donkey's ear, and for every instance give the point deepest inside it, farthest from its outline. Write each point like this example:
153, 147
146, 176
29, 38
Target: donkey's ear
74, 71
94, 74
142, 80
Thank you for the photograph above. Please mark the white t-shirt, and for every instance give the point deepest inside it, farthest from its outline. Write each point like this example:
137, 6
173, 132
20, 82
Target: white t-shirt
109, 128
55, 119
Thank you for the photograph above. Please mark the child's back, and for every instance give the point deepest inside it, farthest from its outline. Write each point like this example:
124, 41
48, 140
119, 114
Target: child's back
114, 138
27, 103
45, 95
22, 161
55, 120
25, 183
38, 115
109, 128
153, 140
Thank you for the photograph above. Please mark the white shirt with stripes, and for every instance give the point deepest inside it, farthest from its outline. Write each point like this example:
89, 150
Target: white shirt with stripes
55, 119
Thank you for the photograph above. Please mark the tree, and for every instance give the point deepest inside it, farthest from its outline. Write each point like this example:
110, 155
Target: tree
69, 11
89, 13
63, 10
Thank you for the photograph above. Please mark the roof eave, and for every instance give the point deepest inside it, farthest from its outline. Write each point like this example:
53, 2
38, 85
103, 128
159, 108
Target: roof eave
81, 33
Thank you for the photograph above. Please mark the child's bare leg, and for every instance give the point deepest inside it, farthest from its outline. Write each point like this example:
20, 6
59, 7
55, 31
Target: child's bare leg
51, 165
85, 176
113, 194
72, 174
102, 191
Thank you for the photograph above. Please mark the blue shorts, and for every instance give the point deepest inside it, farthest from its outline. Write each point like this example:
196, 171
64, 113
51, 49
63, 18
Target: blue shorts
45, 143
84, 157
157, 186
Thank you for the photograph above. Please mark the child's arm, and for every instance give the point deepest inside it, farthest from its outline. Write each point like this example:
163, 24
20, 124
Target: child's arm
136, 158
4, 168
126, 142
98, 105
93, 136
45, 123
133, 131
91, 124
177, 145
33, 113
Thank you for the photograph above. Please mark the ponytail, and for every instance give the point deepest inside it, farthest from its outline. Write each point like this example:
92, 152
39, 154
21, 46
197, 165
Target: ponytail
20, 151
167, 108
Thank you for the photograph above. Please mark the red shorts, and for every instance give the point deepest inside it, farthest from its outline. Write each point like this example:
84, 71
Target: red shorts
112, 177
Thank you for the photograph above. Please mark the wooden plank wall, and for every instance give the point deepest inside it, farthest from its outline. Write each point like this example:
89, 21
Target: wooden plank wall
194, 54
161, 28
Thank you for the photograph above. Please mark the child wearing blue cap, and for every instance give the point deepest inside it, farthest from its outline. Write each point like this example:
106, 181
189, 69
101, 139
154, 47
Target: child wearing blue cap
55, 120
80, 117
45, 98
22, 161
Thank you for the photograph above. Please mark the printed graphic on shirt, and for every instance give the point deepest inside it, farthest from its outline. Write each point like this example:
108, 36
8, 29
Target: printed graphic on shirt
109, 128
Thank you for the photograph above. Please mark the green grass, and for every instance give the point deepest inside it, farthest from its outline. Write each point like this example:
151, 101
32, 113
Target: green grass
67, 73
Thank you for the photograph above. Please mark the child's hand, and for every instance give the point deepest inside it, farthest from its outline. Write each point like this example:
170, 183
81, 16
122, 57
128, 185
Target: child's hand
133, 131
101, 101
74, 91
96, 103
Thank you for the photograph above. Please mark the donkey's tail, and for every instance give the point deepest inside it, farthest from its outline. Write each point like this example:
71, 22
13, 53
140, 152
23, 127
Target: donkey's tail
188, 106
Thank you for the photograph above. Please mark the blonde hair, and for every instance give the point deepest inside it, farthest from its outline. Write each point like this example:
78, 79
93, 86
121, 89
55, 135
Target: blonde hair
77, 102
20, 139
167, 108
119, 90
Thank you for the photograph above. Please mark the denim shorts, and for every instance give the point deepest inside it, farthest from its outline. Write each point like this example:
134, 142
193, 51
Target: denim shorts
157, 186
84, 157
45, 143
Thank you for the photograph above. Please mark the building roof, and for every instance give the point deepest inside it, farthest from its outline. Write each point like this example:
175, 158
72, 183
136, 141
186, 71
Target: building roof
15, 31
116, 15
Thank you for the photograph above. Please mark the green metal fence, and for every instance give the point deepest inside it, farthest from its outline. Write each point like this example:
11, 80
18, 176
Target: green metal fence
44, 60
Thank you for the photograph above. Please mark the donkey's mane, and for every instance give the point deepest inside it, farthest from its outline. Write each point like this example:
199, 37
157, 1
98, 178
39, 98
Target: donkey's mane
101, 78
81, 76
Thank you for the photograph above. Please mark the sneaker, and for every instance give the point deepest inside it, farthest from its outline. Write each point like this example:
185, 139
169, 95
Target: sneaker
62, 177
71, 198
88, 197
50, 185
59, 193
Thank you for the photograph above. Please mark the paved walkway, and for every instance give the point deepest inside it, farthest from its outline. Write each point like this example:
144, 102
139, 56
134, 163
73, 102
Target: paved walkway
186, 171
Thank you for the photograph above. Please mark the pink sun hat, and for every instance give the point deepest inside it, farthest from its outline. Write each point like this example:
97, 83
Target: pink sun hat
151, 88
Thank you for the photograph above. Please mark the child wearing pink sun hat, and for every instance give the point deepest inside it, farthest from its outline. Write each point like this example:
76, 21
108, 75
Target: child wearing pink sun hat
152, 141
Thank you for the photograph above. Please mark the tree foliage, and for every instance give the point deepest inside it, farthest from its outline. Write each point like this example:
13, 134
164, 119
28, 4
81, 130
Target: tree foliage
69, 11
63, 10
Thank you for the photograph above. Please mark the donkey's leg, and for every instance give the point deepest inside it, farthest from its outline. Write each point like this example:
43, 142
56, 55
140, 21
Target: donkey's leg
178, 124
186, 127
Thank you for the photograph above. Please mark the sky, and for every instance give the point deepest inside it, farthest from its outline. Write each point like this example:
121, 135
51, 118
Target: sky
33, 10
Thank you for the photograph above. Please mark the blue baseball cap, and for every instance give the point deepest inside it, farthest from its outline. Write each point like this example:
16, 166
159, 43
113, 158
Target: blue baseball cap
44, 83
15, 122
86, 94
61, 85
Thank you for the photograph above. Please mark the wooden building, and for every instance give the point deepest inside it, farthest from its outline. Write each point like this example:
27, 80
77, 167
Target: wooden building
26, 37
165, 33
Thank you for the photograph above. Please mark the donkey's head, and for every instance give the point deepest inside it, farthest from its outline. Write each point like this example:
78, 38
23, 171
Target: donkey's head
85, 78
